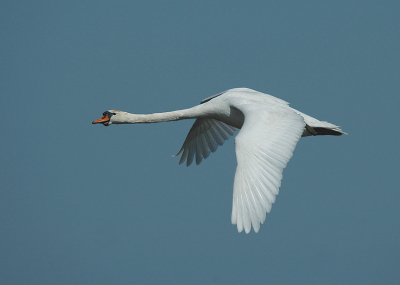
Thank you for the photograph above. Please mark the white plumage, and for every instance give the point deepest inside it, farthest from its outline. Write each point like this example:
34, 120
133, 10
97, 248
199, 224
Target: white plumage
269, 132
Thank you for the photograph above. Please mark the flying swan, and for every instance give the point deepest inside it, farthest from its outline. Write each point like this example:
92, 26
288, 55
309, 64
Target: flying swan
269, 132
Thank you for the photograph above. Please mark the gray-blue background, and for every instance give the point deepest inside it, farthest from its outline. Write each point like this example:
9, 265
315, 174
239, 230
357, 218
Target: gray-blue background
85, 204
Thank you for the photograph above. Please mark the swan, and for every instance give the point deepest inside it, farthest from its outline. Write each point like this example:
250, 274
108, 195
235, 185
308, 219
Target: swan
269, 132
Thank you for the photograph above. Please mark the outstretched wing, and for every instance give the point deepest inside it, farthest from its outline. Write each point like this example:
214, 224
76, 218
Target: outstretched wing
203, 138
263, 147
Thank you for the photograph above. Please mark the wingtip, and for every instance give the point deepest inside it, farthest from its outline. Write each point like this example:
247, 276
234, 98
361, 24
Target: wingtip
179, 153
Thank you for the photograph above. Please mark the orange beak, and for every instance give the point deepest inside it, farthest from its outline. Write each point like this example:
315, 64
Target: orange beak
104, 119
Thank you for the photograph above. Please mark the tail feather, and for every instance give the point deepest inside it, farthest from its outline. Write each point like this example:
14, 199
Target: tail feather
316, 127
322, 131
326, 131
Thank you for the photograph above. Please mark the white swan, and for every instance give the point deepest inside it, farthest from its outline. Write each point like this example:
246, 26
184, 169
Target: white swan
270, 130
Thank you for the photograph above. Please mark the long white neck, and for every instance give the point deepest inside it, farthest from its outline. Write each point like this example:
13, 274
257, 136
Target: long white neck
191, 113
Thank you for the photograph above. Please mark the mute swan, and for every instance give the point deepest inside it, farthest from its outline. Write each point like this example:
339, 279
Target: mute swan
269, 132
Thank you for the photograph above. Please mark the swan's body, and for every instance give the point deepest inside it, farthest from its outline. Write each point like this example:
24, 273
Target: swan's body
270, 130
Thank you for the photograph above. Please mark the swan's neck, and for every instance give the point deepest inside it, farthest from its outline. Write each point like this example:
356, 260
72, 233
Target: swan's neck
191, 113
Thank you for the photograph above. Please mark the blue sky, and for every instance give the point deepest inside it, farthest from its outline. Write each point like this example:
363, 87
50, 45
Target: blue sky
85, 204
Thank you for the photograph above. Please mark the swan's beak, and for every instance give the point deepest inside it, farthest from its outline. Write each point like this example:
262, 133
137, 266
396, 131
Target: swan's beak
102, 120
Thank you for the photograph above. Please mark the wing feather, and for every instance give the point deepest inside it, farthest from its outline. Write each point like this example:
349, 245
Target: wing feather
199, 152
206, 148
204, 137
263, 148
216, 134
191, 153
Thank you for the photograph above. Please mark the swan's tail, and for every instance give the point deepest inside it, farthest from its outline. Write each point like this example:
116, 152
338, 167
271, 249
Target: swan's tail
322, 131
315, 127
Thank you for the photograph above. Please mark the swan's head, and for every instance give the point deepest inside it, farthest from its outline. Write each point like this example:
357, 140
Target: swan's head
109, 117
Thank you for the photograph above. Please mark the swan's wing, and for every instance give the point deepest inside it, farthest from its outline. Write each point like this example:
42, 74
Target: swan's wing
204, 138
263, 147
